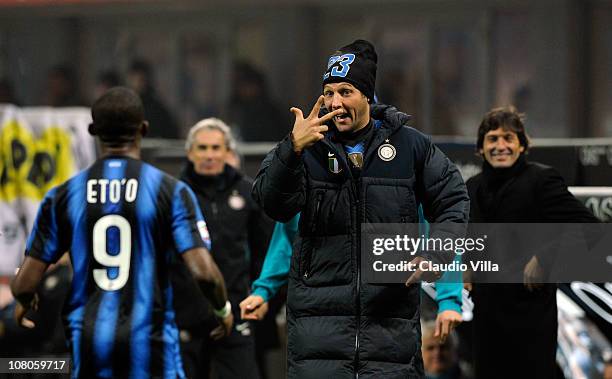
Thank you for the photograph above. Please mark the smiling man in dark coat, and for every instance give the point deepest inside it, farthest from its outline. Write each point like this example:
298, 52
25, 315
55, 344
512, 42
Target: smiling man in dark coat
515, 325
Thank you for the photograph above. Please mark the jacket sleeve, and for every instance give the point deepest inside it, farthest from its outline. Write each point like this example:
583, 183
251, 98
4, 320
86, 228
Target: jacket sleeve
444, 197
449, 288
558, 205
449, 295
280, 185
278, 260
260, 229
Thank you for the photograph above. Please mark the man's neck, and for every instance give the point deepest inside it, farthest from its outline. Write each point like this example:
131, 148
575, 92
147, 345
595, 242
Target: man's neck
354, 136
367, 122
127, 150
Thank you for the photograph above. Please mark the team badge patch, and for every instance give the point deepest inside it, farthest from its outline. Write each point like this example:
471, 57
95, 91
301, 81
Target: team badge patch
203, 231
356, 159
386, 151
235, 201
333, 164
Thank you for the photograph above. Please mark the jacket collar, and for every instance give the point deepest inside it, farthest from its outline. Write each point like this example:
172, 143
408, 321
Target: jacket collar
496, 182
387, 120
210, 184
391, 118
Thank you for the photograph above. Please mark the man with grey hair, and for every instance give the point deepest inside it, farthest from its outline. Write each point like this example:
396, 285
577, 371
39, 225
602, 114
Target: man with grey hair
440, 357
237, 227
211, 123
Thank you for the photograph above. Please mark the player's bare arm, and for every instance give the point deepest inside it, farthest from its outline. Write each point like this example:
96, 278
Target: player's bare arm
24, 287
211, 283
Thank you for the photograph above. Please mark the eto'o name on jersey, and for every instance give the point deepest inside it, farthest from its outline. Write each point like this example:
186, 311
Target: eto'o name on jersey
111, 190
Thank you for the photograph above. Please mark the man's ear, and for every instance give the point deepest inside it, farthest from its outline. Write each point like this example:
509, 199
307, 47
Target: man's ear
92, 129
144, 128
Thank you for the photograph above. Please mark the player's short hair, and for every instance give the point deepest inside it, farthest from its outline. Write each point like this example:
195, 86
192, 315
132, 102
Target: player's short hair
117, 115
211, 123
507, 118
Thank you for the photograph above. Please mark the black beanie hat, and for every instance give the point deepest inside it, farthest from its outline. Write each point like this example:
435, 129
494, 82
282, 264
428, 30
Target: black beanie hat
355, 64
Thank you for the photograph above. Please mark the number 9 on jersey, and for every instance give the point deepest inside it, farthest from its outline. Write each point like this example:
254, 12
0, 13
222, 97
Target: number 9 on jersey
121, 260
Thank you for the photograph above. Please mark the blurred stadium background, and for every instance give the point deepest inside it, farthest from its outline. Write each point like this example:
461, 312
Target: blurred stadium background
446, 62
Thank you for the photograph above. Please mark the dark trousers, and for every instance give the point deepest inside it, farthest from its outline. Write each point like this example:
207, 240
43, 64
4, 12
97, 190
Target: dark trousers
228, 358
514, 332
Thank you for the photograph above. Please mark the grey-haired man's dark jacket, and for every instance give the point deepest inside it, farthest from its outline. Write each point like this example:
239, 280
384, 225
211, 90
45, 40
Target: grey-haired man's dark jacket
338, 325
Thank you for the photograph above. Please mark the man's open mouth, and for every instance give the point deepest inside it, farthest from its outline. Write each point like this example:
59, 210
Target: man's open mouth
501, 154
342, 117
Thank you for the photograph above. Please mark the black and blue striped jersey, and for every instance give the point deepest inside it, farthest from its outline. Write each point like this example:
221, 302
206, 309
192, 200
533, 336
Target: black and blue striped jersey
122, 221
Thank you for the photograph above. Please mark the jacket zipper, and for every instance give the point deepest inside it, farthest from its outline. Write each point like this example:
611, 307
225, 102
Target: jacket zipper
356, 187
313, 229
357, 195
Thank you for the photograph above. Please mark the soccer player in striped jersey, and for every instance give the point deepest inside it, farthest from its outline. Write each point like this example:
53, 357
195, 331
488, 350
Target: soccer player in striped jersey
121, 221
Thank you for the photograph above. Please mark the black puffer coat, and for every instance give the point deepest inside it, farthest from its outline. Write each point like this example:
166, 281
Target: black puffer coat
340, 326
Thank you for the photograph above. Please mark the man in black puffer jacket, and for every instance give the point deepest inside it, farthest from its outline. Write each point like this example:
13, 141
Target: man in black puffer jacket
366, 166
239, 233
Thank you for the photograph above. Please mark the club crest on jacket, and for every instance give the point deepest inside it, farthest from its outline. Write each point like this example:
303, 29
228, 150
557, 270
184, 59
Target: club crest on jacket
235, 201
386, 151
356, 159
333, 164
